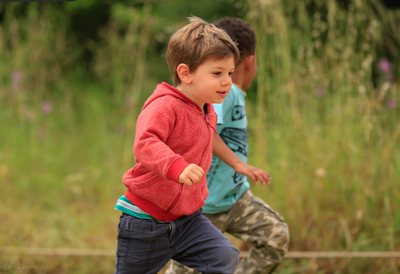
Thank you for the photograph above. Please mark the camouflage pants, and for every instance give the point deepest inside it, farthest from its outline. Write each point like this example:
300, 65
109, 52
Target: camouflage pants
255, 222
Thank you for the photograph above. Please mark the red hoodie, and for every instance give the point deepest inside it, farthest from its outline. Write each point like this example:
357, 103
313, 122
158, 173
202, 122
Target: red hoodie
171, 133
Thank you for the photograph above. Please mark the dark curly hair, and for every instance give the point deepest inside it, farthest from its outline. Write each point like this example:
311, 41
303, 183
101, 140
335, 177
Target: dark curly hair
241, 33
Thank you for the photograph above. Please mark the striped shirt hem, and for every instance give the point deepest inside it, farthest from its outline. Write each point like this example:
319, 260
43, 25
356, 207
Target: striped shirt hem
126, 206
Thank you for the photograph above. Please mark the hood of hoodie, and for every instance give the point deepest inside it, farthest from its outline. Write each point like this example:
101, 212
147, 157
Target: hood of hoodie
165, 89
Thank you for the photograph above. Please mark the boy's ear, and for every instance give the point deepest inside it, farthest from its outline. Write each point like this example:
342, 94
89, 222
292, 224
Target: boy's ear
248, 62
184, 73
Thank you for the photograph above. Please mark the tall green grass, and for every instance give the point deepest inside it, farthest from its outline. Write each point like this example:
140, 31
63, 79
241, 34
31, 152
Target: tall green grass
323, 124
65, 140
326, 132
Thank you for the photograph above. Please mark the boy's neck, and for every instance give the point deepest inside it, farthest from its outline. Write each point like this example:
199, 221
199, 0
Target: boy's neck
245, 72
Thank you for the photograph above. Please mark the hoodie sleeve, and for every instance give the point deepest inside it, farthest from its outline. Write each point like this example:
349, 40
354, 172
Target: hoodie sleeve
154, 125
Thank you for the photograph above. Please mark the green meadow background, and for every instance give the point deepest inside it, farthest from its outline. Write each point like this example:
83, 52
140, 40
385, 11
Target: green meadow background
324, 121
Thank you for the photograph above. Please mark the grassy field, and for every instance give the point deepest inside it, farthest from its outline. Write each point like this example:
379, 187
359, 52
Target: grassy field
324, 120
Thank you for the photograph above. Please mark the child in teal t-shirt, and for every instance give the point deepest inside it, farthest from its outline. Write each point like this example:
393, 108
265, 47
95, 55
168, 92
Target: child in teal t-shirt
232, 128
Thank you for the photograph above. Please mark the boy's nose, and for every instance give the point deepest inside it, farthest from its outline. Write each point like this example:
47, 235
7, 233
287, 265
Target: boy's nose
227, 81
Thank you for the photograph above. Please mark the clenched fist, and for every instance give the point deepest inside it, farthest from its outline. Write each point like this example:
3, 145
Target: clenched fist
192, 174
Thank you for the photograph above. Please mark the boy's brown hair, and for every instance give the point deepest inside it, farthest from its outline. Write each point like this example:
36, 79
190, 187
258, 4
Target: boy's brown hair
241, 32
195, 43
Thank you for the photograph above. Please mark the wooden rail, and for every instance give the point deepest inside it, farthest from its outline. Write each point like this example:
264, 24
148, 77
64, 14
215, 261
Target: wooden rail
107, 252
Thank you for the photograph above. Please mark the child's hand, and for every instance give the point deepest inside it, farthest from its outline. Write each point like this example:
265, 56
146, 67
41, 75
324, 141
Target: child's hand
192, 174
256, 174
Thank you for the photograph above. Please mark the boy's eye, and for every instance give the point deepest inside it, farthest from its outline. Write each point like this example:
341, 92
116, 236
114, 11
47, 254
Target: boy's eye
217, 73
230, 74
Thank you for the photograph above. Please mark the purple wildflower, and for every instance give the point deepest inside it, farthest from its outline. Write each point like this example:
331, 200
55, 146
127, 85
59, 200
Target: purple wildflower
385, 66
16, 76
16, 79
47, 107
391, 104
320, 92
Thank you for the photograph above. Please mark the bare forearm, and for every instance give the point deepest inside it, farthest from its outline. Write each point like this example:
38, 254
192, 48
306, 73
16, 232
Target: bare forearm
223, 152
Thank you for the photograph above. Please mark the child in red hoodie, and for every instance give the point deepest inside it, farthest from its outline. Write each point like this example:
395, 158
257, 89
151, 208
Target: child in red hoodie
167, 187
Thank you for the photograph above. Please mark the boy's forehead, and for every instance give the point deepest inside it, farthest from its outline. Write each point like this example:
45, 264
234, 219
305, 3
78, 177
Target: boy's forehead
228, 61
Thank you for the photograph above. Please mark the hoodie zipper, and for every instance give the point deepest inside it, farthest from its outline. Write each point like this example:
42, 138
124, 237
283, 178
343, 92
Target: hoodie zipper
181, 187
208, 124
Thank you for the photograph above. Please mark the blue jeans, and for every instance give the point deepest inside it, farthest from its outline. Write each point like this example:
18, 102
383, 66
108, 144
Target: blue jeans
145, 246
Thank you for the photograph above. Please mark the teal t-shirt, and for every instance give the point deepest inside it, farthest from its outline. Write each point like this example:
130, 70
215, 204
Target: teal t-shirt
224, 184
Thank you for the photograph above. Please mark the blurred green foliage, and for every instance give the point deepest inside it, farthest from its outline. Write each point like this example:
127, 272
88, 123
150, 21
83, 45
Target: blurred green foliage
323, 120
80, 27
